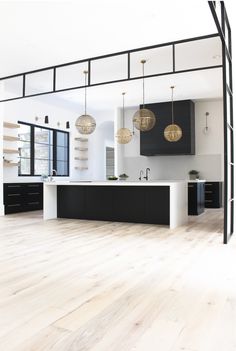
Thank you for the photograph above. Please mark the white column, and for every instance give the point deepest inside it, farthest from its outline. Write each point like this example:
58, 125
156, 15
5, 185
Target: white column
49, 201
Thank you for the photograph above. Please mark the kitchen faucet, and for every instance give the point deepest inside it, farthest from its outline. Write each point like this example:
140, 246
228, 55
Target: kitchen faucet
147, 174
51, 175
140, 174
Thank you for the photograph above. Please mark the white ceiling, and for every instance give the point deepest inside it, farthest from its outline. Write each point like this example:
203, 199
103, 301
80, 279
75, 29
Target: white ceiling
35, 34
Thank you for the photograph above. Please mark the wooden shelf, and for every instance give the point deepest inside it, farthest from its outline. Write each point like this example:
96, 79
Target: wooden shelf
10, 164
81, 148
10, 125
83, 140
10, 151
81, 168
10, 138
81, 158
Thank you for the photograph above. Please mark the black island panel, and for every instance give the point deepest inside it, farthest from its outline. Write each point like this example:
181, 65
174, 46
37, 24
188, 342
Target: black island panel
137, 204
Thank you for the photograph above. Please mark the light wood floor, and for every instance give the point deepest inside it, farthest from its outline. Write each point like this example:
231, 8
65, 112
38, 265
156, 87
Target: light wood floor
69, 285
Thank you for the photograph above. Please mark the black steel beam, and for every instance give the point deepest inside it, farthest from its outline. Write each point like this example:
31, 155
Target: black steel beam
115, 81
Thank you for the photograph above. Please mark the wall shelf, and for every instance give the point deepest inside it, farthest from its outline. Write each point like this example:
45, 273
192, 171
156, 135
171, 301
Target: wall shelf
81, 148
10, 151
80, 168
83, 140
81, 158
11, 164
10, 125
81, 153
10, 138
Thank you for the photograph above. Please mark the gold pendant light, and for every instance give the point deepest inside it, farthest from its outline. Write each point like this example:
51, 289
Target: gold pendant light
144, 119
85, 124
172, 132
123, 135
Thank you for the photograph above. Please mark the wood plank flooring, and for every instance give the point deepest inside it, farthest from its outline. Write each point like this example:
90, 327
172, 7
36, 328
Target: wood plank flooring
70, 285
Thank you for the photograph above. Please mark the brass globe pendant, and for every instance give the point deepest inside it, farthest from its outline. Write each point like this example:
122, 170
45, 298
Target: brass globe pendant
173, 132
123, 135
85, 123
144, 119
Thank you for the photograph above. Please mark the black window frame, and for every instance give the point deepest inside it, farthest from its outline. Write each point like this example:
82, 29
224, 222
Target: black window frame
54, 152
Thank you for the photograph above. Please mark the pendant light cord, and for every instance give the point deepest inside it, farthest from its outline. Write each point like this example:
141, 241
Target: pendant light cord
123, 111
85, 92
172, 105
143, 62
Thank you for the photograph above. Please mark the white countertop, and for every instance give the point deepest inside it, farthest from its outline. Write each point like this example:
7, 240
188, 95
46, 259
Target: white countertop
196, 181
117, 183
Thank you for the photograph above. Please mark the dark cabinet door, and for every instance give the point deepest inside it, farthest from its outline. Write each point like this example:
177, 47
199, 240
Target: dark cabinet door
158, 205
98, 203
22, 197
196, 198
129, 204
153, 142
213, 194
71, 202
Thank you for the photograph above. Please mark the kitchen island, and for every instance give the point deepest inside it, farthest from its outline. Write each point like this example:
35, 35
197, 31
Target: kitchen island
157, 202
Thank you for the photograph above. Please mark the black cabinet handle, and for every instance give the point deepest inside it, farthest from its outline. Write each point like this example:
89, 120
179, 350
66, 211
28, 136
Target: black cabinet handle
208, 191
208, 201
33, 194
15, 205
33, 185
13, 186
33, 203
13, 195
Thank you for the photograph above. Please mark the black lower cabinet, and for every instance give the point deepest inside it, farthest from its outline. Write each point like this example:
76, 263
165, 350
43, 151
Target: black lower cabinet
71, 202
138, 204
23, 197
196, 198
98, 202
213, 194
128, 204
157, 203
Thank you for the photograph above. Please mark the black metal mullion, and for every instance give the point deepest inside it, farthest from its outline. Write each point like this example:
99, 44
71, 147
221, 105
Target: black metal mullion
54, 151
54, 78
23, 88
128, 65
32, 151
173, 57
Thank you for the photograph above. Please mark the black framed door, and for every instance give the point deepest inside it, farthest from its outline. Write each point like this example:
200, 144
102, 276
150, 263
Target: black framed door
223, 26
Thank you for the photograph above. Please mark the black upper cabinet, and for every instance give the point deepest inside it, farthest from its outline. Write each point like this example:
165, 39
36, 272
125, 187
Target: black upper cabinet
153, 142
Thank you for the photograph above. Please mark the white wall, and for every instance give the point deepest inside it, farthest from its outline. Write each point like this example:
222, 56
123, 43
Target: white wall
209, 149
61, 111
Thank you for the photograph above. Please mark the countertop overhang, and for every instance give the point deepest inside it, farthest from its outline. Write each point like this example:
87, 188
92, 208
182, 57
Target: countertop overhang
115, 183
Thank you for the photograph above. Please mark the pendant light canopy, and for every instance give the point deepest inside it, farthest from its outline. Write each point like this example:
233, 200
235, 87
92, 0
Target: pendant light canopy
144, 119
123, 135
172, 132
85, 124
